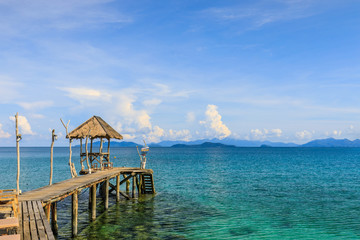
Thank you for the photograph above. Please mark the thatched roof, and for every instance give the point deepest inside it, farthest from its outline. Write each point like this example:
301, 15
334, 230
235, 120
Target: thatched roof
99, 129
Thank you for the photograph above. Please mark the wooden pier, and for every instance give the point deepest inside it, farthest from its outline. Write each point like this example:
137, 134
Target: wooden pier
38, 208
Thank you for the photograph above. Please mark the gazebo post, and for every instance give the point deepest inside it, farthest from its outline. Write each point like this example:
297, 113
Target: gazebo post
100, 153
108, 150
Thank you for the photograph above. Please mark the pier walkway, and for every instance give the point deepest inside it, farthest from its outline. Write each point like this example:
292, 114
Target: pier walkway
34, 221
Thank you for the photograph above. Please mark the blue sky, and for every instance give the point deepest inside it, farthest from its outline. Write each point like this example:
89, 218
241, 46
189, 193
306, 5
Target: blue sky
278, 70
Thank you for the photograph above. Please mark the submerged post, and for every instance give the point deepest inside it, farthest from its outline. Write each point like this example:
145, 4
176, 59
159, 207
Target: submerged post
133, 186
75, 214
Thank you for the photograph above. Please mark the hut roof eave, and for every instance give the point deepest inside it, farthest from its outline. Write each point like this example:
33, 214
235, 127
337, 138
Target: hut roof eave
94, 127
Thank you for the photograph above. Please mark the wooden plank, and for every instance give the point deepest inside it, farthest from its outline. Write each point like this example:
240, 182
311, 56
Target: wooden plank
11, 222
49, 233
33, 228
10, 237
39, 222
26, 225
20, 221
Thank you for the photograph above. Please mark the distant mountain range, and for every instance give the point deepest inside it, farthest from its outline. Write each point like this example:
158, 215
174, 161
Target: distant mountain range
227, 142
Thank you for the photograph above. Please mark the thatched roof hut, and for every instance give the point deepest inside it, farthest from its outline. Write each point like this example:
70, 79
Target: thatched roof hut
99, 129
94, 127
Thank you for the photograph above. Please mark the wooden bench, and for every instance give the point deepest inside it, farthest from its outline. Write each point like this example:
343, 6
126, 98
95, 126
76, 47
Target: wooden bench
10, 237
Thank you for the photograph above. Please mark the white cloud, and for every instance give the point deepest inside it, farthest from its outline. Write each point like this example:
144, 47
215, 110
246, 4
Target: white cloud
183, 135
151, 102
35, 105
214, 124
86, 94
258, 134
4, 134
24, 125
303, 135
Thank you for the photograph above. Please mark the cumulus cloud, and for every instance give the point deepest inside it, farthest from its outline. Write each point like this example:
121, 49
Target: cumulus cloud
303, 135
24, 125
258, 134
214, 124
4, 134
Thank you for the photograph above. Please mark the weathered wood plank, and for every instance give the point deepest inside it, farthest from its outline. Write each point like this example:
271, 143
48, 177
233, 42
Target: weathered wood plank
26, 225
33, 228
39, 222
47, 227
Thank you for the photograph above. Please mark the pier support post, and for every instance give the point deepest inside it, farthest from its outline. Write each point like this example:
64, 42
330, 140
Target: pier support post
47, 211
54, 224
75, 214
106, 203
93, 202
138, 185
127, 184
133, 186
118, 188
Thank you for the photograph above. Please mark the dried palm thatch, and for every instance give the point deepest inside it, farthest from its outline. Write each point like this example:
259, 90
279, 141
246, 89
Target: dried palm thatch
99, 129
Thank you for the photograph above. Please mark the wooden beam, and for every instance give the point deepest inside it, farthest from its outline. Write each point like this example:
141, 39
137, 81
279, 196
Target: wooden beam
74, 214
93, 202
126, 179
118, 188
138, 185
54, 224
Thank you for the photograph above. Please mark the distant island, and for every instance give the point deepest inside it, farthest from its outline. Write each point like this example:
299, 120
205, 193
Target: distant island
328, 142
204, 145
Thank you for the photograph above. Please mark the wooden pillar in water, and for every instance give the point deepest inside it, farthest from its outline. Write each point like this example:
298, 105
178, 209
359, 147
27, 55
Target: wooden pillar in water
106, 203
54, 224
47, 211
133, 186
118, 188
127, 185
93, 201
75, 214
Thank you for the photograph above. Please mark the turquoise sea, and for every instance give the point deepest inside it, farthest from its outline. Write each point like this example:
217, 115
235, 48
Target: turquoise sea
214, 193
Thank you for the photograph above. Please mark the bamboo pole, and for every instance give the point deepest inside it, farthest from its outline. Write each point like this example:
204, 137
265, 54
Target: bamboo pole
53, 137
74, 217
18, 138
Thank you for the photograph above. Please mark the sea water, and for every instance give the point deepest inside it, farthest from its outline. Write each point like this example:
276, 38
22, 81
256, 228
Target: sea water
213, 193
